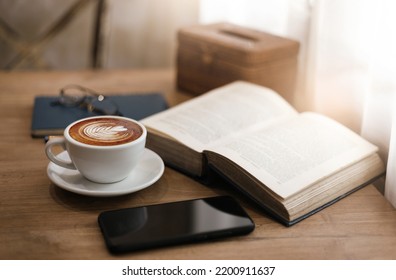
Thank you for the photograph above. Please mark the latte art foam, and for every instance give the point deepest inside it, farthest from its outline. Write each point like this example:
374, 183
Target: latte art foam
105, 131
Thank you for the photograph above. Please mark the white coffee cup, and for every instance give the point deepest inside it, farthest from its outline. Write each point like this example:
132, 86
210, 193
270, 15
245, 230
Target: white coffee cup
104, 149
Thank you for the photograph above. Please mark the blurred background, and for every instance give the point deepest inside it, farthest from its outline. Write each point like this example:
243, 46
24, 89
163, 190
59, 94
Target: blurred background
347, 59
78, 34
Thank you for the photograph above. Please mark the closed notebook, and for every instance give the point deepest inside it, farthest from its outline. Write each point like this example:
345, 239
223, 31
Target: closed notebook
50, 119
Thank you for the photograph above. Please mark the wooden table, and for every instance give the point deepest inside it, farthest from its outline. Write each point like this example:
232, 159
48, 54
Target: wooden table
38, 220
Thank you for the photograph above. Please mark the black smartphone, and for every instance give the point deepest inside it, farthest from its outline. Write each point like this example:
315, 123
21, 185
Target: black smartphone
173, 223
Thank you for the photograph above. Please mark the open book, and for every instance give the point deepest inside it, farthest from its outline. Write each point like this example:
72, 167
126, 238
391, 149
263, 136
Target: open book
293, 164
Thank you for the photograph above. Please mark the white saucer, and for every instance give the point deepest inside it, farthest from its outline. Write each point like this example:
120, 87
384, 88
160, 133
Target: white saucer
148, 171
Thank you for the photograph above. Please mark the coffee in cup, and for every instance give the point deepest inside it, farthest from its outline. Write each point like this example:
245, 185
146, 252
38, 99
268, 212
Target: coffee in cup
104, 149
105, 131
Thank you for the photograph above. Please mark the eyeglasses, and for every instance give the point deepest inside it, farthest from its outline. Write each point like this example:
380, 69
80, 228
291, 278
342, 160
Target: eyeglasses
79, 96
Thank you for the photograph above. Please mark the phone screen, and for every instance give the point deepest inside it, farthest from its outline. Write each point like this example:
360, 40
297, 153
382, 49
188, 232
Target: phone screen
173, 223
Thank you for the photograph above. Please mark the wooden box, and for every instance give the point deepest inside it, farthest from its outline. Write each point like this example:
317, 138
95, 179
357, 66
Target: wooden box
210, 56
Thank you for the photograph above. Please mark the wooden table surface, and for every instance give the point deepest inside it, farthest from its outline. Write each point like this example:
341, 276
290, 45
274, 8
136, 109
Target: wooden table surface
38, 220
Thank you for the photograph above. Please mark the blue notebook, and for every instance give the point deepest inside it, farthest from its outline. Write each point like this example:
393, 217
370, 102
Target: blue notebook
49, 119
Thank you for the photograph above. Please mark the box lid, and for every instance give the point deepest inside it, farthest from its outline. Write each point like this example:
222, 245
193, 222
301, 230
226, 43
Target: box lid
238, 44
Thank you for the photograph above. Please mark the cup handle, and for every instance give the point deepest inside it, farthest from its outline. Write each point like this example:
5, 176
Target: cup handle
52, 157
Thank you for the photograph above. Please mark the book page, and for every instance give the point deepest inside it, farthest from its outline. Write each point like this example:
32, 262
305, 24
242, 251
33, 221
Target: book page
291, 156
211, 117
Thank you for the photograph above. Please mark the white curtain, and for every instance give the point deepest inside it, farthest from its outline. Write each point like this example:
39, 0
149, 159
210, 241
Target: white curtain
347, 60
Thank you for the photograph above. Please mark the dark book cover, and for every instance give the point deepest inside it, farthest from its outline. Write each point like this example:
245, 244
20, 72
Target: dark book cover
51, 119
275, 216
